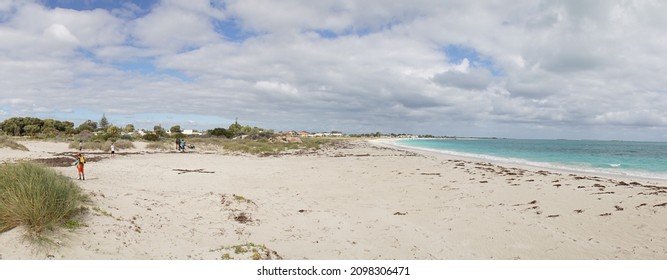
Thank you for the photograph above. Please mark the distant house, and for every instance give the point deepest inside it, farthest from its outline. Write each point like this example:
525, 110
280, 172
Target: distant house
326, 134
191, 132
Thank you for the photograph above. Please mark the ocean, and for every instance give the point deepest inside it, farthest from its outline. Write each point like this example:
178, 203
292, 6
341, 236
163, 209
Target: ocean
638, 159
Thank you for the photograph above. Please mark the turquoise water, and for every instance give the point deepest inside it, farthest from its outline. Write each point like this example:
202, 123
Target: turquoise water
643, 159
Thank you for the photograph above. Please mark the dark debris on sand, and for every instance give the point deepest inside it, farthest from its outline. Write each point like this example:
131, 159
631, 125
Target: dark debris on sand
63, 161
68, 158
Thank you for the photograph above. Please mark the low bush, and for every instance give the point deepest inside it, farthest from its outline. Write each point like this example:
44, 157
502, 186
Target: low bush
103, 146
157, 146
37, 197
151, 137
262, 146
123, 144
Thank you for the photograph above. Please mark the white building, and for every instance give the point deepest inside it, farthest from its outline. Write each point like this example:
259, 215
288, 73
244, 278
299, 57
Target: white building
191, 132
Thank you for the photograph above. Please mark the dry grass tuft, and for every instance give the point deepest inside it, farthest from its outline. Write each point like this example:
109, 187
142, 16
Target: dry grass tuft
6, 142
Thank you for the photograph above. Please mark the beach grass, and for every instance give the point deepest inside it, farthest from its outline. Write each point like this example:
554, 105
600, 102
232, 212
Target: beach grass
241, 199
261, 147
162, 146
6, 142
37, 198
121, 144
248, 251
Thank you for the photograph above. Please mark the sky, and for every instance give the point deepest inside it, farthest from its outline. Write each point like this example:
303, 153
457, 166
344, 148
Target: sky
579, 69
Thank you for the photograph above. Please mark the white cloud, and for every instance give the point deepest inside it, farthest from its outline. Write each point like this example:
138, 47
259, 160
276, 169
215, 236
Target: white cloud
643, 118
352, 65
60, 33
277, 87
174, 25
466, 78
337, 16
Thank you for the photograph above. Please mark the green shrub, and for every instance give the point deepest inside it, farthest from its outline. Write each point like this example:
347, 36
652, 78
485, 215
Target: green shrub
151, 137
262, 147
103, 146
123, 144
87, 145
37, 197
102, 137
249, 251
6, 142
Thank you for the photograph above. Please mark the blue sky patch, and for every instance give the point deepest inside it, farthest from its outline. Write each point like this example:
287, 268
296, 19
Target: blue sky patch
81, 5
327, 34
146, 67
87, 54
330, 34
456, 54
232, 31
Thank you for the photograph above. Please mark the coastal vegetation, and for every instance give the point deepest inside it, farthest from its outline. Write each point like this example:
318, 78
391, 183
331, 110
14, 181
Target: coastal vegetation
103, 145
38, 198
6, 142
50, 128
248, 251
156, 145
261, 147
235, 138
27, 126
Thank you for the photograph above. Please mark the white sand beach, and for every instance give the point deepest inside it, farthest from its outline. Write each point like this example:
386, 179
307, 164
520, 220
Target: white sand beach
360, 200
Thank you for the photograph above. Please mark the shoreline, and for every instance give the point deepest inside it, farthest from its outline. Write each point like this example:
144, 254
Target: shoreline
653, 178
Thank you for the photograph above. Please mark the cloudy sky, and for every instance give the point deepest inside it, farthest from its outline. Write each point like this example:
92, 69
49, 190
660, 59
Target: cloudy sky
525, 69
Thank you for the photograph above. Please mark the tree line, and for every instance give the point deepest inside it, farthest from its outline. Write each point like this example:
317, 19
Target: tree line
27, 126
49, 128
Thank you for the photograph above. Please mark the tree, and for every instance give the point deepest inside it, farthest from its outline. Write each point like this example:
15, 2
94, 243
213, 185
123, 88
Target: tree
32, 129
175, 129
235, 129
16, 126
49, 131
113, 132
87, 126
159, 131
129, 128
104, 123
218, 131
64, 126
11, 127
151, 137
49, 125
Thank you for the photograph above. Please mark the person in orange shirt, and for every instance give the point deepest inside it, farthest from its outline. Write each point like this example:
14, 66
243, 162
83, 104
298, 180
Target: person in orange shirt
80, 161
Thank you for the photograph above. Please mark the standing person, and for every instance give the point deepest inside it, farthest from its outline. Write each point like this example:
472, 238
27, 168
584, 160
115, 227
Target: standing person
80, 145
182, 145
80, 161
178, 144
113, 149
